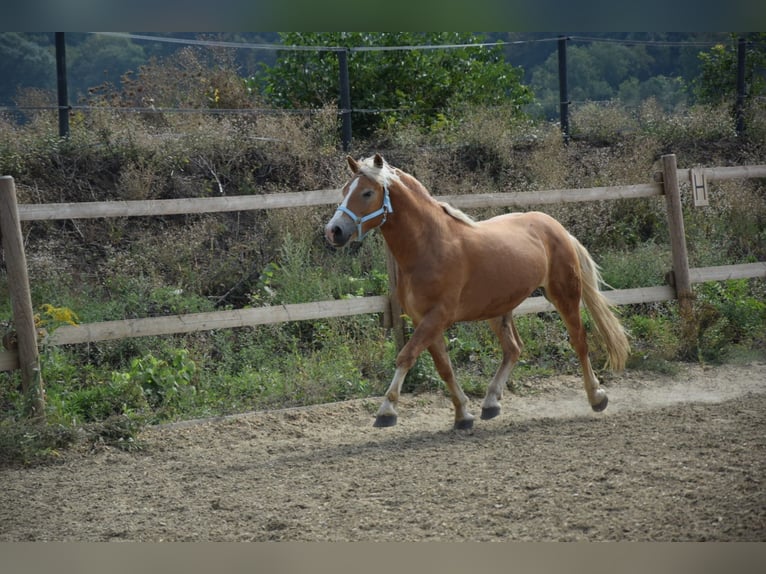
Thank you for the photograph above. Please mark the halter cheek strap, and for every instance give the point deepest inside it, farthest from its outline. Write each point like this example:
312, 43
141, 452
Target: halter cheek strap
383, 210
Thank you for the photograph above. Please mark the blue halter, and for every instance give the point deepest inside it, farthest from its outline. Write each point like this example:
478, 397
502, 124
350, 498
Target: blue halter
383, 210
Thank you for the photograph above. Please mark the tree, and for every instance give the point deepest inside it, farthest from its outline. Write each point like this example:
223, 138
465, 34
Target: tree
99, 60
24, 64
595, 72
391, 85
668, 92
717, 82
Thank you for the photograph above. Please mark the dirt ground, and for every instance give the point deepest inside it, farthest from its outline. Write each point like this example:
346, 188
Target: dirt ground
673, 458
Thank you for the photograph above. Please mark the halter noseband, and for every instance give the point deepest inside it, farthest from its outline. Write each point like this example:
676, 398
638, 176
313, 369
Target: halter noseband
383, 210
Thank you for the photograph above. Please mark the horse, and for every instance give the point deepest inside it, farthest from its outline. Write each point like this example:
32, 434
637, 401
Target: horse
451, 268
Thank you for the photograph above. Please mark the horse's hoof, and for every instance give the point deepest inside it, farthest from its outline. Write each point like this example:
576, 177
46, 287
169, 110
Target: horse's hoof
383, 421
465, 424
489, 412
600, 406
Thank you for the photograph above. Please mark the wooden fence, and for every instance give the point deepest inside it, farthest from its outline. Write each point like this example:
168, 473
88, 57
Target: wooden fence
24, 354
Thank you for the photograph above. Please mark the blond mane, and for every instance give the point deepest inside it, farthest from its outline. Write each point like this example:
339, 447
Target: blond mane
381, 175
387, 174
457, 214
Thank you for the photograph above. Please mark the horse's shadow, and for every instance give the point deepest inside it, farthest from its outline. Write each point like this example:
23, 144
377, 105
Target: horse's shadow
388, 444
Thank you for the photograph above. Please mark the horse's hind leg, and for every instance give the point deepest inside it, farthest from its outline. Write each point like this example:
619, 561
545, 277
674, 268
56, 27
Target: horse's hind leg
506, 332
569, 309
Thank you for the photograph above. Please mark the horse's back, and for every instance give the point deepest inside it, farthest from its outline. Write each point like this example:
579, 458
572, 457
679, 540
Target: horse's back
526, 219
528, 229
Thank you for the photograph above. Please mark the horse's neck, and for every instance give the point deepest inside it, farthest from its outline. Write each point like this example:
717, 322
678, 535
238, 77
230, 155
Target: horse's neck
414, 227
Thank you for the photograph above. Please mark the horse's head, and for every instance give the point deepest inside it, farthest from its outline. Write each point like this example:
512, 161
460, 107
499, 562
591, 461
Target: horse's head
366, 202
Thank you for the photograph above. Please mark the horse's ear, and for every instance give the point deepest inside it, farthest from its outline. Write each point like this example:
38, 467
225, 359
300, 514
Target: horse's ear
378, 161
353, 164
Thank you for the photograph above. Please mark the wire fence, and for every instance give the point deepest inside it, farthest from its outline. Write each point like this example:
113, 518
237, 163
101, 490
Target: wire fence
345, 111
285, 47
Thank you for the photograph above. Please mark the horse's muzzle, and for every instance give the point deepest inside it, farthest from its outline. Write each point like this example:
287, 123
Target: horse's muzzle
336, 235
340, 230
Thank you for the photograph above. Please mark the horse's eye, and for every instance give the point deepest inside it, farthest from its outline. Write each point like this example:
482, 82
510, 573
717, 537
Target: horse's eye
367, 194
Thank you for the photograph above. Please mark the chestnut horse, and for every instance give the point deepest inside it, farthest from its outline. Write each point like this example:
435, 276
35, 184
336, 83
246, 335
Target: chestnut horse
452, 268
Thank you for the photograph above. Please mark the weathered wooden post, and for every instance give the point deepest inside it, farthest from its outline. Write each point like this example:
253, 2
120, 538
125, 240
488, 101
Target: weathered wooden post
679, 276
21, 300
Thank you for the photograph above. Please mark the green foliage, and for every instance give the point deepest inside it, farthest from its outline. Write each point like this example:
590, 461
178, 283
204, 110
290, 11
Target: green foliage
730, 314
150, 388
396, 81
295, 364
643, 266
98, 402
166, 384
101, 60
717, 82
26, 62
655, 343
24, 442
595, 72
668, 92
299, 274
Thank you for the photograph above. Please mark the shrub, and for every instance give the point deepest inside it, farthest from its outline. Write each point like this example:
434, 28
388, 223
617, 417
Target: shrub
100, 401
729, 316
25, 442
165, 383
655, 343
644, 266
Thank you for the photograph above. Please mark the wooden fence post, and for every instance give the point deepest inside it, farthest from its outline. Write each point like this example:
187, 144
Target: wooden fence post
21, 300
679, 277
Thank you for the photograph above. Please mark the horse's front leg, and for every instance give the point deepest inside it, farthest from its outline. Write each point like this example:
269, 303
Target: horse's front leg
386, 416
463, 419
426, 332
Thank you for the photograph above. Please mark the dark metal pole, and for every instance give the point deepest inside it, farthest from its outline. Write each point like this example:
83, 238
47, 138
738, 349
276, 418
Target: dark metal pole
345, 100
563, 89
740, 109
62, 85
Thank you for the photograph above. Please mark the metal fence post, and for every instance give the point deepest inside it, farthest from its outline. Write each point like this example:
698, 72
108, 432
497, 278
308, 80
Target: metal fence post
740, 106
61, 81
563, 88
345, 99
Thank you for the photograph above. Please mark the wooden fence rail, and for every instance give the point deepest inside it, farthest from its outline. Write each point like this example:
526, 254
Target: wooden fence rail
158, 207
100, 331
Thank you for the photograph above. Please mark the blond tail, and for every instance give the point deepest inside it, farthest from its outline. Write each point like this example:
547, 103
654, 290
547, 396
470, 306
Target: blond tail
609, 328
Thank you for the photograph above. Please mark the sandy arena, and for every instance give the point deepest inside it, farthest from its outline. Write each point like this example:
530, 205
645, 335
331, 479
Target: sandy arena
679, 458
